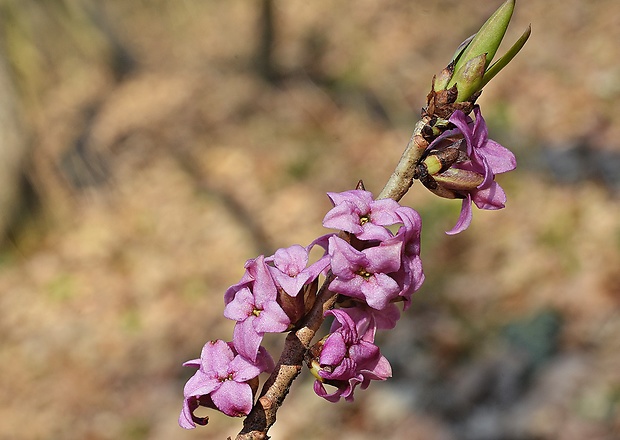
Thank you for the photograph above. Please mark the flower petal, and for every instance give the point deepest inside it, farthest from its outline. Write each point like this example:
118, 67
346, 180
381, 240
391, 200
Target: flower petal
383, 212
243, 369
385, 258
499, 158
187, 420
491, 198
334, 350
200, 384
216, 357
345, 217
233, 399
241, 306
272, 319
379, 290
464, 219
345, 258
246, 339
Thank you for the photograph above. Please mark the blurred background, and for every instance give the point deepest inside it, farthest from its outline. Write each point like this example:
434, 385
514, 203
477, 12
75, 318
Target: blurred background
148, 148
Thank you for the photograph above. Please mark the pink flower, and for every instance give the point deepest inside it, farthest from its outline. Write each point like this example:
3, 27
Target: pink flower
483, 157
365, 274
291, 271
348, 358
221, 382
356, 212
410, 276
255, 308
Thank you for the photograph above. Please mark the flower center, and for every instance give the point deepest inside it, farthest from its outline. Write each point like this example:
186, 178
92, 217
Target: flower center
364, 273
225, 378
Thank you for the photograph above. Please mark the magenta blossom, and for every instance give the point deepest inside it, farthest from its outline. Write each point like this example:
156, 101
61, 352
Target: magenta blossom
488, 158
410, 276
255, 308
366, 274
221, 382
356, 212
485, 157
373, 319
348, 358
485, 153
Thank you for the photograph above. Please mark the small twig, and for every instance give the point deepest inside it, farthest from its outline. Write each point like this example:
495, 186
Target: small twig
263, 414
402, 178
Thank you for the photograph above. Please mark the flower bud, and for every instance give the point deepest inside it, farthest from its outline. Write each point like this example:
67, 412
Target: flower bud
459, 180
440, 82
488, 38
468, 79
440, 160
471, 65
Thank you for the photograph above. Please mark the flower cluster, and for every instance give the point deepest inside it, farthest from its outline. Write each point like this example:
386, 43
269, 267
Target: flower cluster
371, 269
374, 266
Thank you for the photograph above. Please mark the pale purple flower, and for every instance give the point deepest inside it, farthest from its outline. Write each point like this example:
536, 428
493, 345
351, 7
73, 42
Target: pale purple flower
256, 276
256, 310
356, 212
365, 274
221, 382
349, 358
291, 271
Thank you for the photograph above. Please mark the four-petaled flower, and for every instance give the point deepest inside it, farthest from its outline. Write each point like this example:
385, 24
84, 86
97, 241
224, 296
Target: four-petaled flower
488, 158
365, 274
356, 212
255, 308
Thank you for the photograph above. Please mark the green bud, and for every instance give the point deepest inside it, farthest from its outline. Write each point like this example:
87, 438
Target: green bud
433, 164
440, 82
474, 56
507, 57
439, 161
489, 37
468, 79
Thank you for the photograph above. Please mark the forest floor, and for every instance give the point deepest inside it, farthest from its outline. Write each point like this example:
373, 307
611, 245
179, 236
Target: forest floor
161, 160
